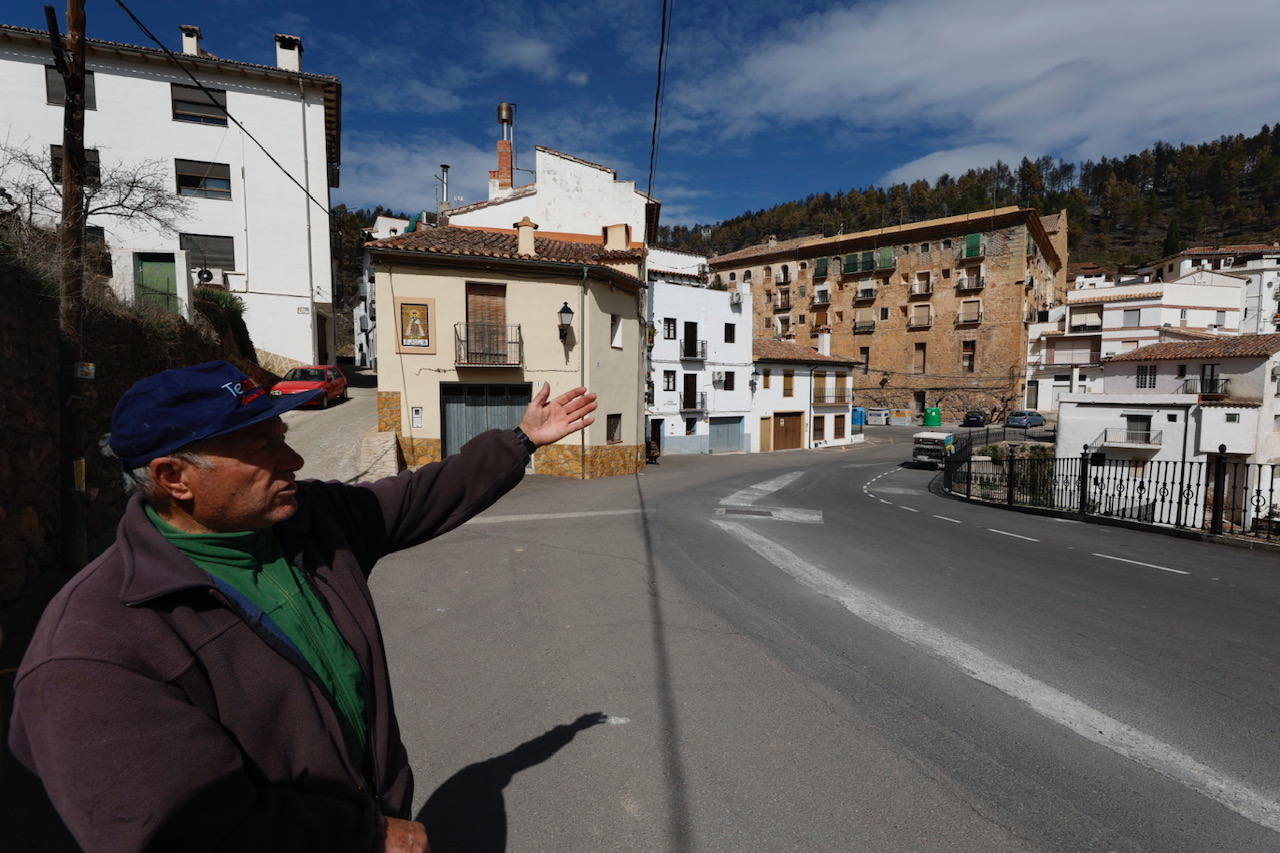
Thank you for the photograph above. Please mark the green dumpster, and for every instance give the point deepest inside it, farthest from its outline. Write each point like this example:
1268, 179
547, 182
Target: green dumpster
933, 416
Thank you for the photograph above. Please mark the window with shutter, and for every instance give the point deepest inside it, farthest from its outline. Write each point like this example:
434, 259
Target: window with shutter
886, 257
973, 246
851, 262
868, 261
201, 106
820, 268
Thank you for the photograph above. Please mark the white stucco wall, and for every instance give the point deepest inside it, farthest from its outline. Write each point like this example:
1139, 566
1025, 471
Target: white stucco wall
266, 216
767, 402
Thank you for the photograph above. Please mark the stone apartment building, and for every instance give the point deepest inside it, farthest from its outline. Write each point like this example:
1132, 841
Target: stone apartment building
936, 311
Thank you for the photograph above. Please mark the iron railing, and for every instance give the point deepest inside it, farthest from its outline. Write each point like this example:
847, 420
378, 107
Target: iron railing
865, 293
1204, 385
918, 321
1085, 327
864, 325
921, 288
1218, 496
693, 349
782, 303
488, 344
964, 317
1124, 435
695, 402
971, 282
827, 397
821, 297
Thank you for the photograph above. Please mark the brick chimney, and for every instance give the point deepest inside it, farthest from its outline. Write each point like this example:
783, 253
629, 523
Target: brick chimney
288, 52
191, 40
617, 238
500, 178
524, 236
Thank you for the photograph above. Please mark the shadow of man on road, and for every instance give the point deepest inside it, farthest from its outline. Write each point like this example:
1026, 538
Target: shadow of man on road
468, 813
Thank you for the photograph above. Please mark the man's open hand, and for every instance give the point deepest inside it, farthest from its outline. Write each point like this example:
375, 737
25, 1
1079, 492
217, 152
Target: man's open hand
547, 421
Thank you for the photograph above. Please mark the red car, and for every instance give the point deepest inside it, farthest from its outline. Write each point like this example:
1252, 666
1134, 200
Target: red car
301, 379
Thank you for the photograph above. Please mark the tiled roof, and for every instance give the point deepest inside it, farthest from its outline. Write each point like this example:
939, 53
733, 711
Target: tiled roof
1223, 346
495, 243
1099, 297
1085, 268
1180, 332
518, 192
1230, 250
767, 349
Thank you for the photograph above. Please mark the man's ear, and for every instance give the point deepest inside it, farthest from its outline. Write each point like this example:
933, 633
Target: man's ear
169, 475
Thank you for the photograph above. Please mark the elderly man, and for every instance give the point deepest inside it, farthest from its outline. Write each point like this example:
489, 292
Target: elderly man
216, 680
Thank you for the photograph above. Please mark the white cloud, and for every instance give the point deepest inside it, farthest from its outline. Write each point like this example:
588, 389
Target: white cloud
953, 161
399, 170
577, 78
506, 49
1079, 79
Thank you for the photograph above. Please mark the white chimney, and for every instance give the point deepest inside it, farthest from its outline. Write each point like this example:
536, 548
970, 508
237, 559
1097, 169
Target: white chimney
824, 342
617, 238
191, 39
288, 52
524, 236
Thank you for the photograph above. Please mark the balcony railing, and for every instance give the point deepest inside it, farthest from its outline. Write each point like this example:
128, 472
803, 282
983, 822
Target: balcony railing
781, 303
1123, 436
779, 278
922, 288
972, 253
821, 297
1205, 387
919, 321
971, 282
696, 402
1069, 358
695, 350
865, 293
828, 397
1085, 327
965, 317
864, 326
488, 344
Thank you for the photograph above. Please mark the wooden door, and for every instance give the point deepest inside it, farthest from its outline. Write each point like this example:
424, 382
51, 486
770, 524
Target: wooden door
766, 434
788, 430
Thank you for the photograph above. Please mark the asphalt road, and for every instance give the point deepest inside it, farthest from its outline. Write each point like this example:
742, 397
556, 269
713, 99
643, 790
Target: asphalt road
868, 666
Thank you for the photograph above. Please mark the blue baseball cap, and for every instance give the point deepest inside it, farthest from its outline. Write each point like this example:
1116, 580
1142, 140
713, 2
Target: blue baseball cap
171, 409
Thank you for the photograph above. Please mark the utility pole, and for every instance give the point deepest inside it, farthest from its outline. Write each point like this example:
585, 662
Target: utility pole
69, 58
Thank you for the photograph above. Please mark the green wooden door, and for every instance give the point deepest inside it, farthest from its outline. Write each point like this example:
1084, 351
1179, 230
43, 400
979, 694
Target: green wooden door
155, 281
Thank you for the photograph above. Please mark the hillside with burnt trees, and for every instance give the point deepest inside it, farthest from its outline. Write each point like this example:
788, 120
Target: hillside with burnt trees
1122, 211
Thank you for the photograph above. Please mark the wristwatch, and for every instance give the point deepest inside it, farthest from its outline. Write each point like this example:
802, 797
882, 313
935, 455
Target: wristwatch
525, 440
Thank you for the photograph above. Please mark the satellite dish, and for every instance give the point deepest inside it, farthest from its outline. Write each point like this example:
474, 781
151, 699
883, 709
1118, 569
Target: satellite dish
204, 276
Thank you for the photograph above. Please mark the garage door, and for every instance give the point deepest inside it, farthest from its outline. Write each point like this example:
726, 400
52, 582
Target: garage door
469, 410
726, 435
788, 430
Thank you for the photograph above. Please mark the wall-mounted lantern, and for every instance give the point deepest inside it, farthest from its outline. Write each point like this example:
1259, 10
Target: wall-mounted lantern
755, 379
565, 318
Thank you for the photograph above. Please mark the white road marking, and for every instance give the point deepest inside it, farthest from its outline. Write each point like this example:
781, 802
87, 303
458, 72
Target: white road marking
1050, 703
1014, 535
1140, 563
548, 516
885, 502
751, 494
907, 508
777, 513
952, 520
617, 721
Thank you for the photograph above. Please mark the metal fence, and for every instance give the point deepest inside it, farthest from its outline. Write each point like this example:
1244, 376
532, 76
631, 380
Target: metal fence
966, 438
1219, 496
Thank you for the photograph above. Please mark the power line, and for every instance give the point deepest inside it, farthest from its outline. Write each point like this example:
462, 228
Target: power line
220, 106
659, 89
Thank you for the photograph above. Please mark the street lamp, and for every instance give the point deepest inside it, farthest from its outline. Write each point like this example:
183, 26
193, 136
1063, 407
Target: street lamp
755, 378
565, 318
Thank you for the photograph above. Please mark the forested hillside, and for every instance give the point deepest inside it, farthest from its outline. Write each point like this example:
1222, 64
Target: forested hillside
1125, 210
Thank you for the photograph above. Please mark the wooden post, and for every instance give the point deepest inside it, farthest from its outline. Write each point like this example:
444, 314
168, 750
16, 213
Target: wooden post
69, 57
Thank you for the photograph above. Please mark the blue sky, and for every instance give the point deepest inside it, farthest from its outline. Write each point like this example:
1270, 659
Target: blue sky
766, 101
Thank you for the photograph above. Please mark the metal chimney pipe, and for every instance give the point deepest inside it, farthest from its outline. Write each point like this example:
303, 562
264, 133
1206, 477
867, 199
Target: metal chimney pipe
444, 187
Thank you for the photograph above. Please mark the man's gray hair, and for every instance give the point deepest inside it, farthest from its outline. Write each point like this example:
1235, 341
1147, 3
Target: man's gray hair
140, 480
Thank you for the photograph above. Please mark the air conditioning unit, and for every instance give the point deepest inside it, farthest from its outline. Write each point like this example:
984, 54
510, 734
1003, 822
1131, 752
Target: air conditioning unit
209, 275
735, 298
717, 376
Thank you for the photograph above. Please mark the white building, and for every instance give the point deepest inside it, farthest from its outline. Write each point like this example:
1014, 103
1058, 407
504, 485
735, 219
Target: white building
250, 228
700, 361
802, 397
1066, 349
364, 313
568, 195
1257, 263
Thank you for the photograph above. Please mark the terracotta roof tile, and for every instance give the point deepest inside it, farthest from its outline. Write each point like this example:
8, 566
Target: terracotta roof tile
1238, 346
1098, 297
768, 349
493, 243
518, 192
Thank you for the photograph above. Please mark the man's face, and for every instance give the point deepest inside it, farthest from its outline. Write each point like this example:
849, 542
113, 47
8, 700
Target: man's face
249, 484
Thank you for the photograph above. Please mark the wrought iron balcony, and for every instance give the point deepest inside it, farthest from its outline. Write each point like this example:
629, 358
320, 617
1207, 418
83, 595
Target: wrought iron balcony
922, 288
966, 317
696, 402
864, 326
971, 282
782, 303
920, 321
691, 349
488, 345
1085, 327
865, 293
829, 397
821, 296
1125, 437
1070, 358
1205, 387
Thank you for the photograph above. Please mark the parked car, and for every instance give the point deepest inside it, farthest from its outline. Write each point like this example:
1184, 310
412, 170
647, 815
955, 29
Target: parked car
1025, 419
302, 379
974, 419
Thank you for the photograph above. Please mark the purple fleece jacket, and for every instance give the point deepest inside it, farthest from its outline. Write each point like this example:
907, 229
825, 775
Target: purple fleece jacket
159, 716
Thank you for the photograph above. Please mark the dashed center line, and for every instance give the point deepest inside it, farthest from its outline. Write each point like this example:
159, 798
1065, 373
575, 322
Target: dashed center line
1140, 563
952, 520
908, 508
1014, 535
